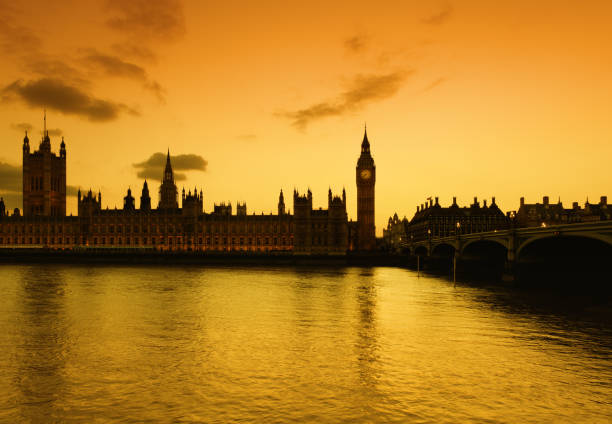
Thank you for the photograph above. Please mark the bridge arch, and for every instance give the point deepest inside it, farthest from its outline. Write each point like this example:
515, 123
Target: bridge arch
578, 260
443, 249
497, 241
421, 251
593, 236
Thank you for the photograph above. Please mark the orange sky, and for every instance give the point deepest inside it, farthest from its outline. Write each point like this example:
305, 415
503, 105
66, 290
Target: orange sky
470, 98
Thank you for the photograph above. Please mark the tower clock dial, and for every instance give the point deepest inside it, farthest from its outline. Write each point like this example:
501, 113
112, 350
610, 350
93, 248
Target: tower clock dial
365, 174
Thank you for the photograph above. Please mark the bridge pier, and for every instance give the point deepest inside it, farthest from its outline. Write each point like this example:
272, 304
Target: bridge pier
509, 274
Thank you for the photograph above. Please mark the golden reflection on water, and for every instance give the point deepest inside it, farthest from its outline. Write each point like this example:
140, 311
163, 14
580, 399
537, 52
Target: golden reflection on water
288, 345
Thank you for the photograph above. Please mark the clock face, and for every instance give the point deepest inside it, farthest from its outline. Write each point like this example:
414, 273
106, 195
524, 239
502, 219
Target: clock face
365, 174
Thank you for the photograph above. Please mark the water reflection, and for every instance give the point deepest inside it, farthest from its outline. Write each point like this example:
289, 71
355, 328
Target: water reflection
168, 344
41, 357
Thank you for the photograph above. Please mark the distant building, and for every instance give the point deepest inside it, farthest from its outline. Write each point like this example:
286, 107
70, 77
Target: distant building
395, 233
186, 227
366, 180
431, 220
546, 213
44, 178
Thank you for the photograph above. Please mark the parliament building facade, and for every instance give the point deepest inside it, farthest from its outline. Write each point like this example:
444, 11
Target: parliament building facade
43, 223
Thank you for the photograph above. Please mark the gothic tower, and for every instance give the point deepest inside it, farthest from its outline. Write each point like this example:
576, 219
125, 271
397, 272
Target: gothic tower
145, 199
366, 179
168, 194
44, 178
281, 203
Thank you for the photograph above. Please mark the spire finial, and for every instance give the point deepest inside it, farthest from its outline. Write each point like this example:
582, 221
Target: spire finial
365, 144
44, 122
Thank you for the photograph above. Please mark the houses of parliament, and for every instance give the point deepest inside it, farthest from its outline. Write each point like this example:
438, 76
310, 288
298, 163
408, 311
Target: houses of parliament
186, 227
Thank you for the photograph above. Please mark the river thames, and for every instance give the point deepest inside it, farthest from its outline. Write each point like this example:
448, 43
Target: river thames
325, 345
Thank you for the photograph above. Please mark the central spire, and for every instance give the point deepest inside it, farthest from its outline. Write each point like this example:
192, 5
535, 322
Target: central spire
168, 174
365, 144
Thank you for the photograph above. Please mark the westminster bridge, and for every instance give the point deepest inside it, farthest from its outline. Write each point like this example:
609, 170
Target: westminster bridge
590, 242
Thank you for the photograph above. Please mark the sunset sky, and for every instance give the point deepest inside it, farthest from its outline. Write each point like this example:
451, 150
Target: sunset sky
461, 98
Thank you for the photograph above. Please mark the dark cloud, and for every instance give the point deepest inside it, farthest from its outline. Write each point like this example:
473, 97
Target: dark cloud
10, 178
22, 126
114, 66
440, 17
159, 19
362, 90
356, 44
55, 67
153, 168
57, 95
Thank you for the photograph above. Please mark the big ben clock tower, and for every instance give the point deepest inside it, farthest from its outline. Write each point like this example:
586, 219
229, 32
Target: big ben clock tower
366, 178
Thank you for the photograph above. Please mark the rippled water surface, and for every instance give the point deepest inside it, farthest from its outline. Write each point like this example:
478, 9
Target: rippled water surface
196, 344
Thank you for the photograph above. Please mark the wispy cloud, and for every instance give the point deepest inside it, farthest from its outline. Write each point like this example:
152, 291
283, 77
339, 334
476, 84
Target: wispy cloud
246, 137
157, 90
64, 98
135, 51
159, 19
434, 84
54, 132
440, 17
361, 91
356, 43
113, 66
22, 126
14, 37
153, 167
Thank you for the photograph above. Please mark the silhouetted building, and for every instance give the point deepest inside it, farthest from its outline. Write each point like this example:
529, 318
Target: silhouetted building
169, 227
366, 179
145, 199
319, 231
44, 178
129, 203
431, 220
395, 233
168, 194
546, 213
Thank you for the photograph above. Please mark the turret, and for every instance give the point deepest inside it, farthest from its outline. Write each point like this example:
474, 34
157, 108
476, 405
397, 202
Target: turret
168, 193
63, 149
128, 201
145, 199
2, 208
281, 203
26, 143
168, 174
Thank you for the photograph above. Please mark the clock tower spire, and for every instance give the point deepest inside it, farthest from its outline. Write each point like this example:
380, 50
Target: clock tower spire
366, 179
